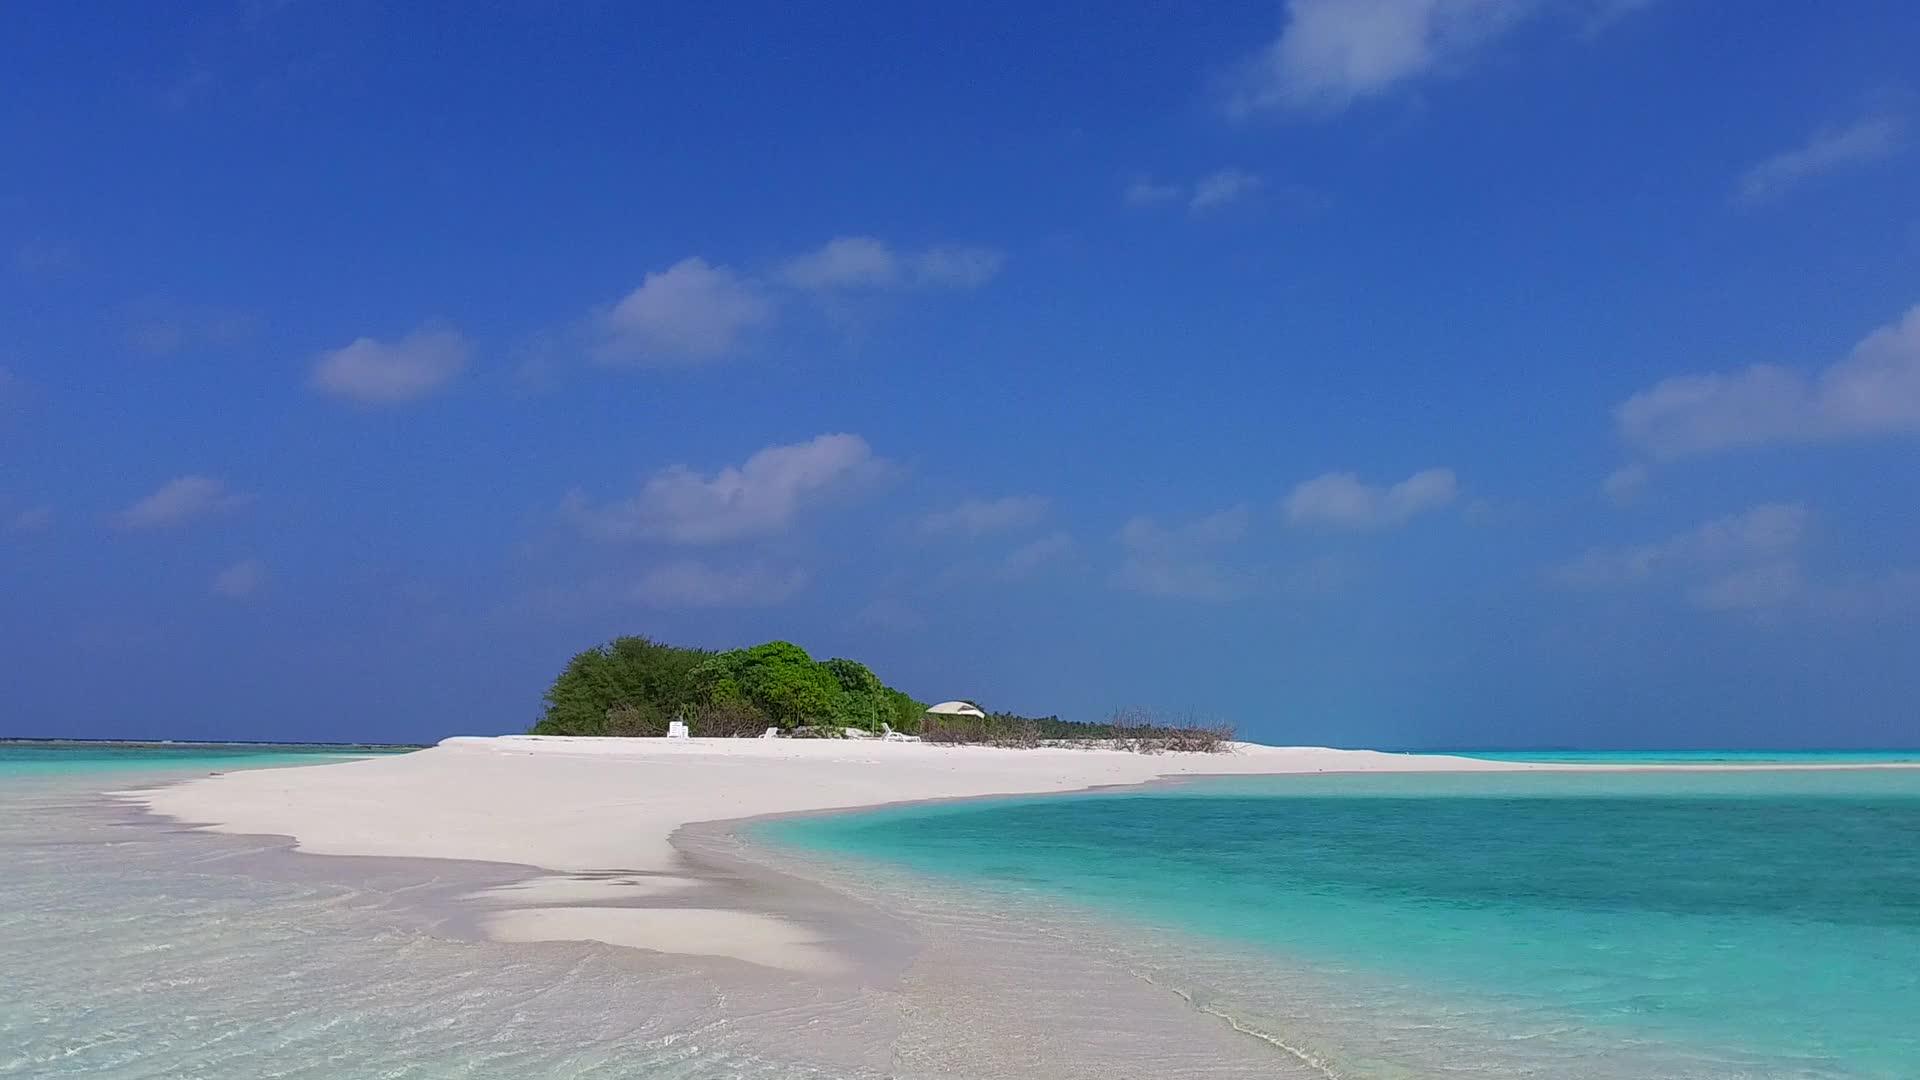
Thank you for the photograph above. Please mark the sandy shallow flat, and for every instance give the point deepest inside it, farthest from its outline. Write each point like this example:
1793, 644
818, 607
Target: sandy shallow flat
597, 815
739, 935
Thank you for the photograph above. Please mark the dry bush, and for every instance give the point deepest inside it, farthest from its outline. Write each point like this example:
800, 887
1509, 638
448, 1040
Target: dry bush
979, 731
727, 720
1136, 730
953, 730
1146, 732
1020, 735
636, 720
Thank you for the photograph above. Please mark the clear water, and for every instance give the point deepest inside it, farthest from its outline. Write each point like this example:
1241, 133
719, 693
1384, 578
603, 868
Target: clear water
1632, 924
132, 949
56, 759
1621, 927
1699, 757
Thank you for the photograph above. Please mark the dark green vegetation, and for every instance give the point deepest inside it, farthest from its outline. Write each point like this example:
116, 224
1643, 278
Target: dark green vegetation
1129, 729
637, 686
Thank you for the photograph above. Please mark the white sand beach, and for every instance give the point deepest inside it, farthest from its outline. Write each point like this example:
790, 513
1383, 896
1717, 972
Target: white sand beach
597, 815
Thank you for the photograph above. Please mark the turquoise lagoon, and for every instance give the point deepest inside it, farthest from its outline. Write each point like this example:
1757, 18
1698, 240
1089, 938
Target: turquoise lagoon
23, 759
1684, 924
1697, 757
1623, 926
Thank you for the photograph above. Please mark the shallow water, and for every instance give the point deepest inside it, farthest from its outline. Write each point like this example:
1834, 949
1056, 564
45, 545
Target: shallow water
1698, 757
1388, 928
1619, 925
133, 948
24, 761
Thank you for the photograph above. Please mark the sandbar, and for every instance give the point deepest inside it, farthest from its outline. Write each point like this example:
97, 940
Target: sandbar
596, 816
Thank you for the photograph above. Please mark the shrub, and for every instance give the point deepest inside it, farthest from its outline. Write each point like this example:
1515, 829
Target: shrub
635, 686
1136, 730
906, 712
863, 700
997, 730
627, 671
1145, 732
778, 678
727, 720
636, 719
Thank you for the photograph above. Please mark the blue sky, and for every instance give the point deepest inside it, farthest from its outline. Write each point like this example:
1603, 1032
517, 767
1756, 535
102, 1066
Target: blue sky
1377, 372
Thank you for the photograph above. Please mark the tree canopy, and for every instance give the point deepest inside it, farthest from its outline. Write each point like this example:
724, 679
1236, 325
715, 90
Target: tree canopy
635, 686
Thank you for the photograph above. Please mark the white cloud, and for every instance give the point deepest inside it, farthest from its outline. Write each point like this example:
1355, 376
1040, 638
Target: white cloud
1217, 189
1764, 586
690, 312
389, 373
1180, 561
241, 580
864, 262
978, 517
1210, 192
1874, 390
1144, 191
1623, 485
844, 262
693, 311
1341, 499
693, 584
1747, 563
957, 267
1030, 557
179, 501
1829, 150
1021, 563
1333, 53
1764, 534
760, 497
31, 520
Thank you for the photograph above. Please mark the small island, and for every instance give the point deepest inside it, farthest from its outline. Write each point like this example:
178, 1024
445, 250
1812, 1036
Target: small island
637, 687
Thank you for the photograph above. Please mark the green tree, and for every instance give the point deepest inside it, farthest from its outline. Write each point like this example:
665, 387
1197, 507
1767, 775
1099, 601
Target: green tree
636, 673
717, 679
863, 700
778, 678
636, 718
784, 681
905, 711
732, 719
636, 686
